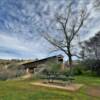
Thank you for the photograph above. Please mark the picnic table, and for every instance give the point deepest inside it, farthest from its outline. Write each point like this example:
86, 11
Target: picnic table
51, 76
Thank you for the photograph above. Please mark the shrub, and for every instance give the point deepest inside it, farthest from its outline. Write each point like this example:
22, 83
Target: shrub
93, 65
77, 70
66, 72
10, 74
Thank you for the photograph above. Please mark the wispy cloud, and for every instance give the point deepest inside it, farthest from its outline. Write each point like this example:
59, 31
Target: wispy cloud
22, 20
17, 48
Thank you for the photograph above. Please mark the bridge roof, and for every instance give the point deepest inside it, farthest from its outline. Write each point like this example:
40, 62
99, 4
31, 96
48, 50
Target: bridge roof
40, 60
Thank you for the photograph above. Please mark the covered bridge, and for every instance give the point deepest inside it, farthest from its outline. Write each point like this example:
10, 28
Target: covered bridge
31, 66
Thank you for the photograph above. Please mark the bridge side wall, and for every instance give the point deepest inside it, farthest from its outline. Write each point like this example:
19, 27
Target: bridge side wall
30, 67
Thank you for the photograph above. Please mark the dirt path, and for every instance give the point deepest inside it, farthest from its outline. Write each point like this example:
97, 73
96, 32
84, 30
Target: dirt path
93, 91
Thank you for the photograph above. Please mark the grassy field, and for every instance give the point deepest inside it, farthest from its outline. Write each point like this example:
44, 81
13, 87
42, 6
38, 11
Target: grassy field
22, 90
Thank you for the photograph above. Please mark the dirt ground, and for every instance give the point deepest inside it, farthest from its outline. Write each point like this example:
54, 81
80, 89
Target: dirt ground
93, 91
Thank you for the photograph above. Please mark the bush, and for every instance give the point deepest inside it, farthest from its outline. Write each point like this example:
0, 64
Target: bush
66, 73
3, 76
93, 65
10, 74
77, 70
6, 74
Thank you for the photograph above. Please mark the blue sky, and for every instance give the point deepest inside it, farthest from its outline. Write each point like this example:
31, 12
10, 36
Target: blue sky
21, 21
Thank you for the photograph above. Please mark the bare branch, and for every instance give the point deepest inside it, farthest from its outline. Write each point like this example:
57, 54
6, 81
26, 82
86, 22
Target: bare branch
63, 28
69, 12
55, 44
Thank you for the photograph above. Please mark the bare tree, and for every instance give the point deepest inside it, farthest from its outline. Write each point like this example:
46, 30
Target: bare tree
69, 27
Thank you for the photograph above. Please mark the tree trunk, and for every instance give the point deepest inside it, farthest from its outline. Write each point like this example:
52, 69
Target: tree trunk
70, 64
70, 60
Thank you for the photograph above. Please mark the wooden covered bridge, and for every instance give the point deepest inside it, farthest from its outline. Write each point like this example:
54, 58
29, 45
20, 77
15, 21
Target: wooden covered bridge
31, 66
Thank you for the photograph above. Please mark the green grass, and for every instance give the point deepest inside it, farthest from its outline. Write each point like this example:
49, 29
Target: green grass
22, 90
